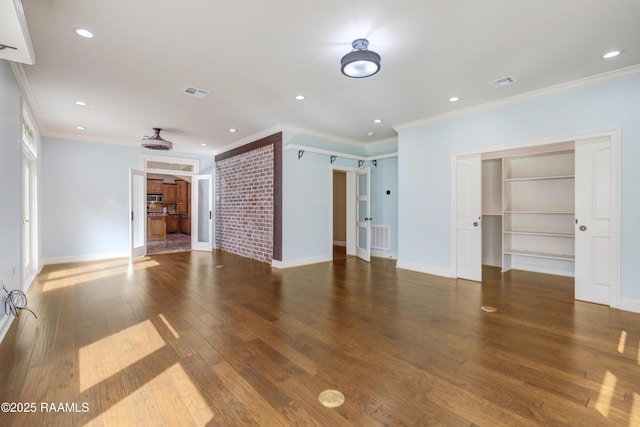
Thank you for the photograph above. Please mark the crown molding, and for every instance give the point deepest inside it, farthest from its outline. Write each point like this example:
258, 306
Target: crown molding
301, 131
248, 139
595, 80
28, 96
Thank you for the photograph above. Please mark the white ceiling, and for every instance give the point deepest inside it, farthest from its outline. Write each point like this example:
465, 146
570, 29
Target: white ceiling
254, 56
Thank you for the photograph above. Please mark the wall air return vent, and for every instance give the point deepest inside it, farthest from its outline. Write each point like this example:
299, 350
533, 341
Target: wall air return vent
504, 81
195, 92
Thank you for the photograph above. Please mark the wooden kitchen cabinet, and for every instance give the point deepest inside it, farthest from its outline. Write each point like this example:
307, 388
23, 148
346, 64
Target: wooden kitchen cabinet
156, 227
154, 186
185, 224
183, 196
173, 223
169, 193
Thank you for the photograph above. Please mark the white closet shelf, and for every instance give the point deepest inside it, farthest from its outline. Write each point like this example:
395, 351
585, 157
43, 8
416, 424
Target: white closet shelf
540, 178
540, 212
540, 233
538, 201
540, 254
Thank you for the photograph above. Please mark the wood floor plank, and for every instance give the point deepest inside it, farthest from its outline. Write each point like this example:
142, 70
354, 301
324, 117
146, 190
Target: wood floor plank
171, 339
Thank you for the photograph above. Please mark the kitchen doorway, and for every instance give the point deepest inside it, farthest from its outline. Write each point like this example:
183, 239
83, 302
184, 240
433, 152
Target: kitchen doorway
165, 206
168, 213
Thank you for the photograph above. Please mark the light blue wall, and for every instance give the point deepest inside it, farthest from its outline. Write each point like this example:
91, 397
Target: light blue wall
425, 154
384, 207
10, 165
85, 197
307, 193
306, 206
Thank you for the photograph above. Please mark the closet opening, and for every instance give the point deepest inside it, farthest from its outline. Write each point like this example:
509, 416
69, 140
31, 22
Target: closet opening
545, 207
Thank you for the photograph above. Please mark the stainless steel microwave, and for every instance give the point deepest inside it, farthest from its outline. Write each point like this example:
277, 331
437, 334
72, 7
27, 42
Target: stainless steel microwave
154, 198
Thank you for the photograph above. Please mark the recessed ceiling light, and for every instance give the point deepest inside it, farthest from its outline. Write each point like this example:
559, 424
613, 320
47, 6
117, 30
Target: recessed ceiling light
370, 133
454, 99
299, 97
83, 32
612, 54
377, 120
203, 144
80, 127
81, 103
233, 130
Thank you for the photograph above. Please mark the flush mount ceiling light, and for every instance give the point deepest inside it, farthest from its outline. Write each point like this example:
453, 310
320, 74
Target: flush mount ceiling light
360, 62
156, 142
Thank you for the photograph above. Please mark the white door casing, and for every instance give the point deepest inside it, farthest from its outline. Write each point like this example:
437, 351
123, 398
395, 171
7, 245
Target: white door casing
469, 217
593, 225
363, 213
202, 213
137, 213
28, 219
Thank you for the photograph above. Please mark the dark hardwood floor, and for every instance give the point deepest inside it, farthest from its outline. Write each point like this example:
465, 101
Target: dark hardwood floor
194, 338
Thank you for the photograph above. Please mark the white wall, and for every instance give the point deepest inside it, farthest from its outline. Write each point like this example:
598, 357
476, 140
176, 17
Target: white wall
85, 197
425, 153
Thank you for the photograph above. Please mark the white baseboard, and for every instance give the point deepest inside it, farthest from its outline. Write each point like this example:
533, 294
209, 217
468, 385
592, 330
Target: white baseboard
383, 254
301, 261
630, 305
339, 243
421, 268
81, 258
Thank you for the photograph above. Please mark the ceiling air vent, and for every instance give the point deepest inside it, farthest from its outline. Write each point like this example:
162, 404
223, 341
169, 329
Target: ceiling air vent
505, 81
194, 91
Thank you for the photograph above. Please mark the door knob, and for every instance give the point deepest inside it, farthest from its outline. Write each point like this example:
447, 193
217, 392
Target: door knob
583, 228
475, 224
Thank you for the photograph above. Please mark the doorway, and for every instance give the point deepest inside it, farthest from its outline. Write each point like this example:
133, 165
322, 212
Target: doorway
339, 215
343, 211
539, 220
171, 206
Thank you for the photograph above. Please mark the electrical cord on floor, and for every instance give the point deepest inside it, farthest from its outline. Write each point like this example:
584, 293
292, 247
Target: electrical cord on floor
14, 301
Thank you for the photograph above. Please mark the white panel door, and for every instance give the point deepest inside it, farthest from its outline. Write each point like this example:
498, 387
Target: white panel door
363, 212
202, 213
137, 213
469, 217
593, 196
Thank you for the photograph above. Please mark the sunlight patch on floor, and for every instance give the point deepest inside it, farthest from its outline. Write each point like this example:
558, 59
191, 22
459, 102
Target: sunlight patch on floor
168, 325
607, 388
622, 341
102, 359
87, 268
79, 275
170, 398
634, 416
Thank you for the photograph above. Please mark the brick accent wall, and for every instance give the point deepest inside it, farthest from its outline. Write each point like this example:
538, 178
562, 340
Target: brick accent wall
245, 203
